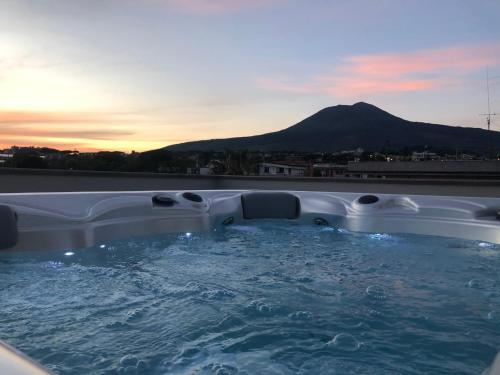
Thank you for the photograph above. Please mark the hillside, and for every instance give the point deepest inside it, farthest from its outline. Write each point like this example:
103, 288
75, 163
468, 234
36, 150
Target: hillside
345, 127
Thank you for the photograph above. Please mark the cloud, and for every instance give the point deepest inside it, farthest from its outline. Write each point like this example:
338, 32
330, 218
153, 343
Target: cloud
66, 117
61, 129
211, 7
36, 117
393, 72
54, 132
89, 131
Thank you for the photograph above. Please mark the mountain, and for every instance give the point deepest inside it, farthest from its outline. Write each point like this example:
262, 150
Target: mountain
346, 127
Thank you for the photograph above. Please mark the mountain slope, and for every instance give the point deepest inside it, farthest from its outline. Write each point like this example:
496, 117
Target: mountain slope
345, 127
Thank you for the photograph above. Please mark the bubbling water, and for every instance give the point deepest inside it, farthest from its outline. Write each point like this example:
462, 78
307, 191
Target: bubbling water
266, 299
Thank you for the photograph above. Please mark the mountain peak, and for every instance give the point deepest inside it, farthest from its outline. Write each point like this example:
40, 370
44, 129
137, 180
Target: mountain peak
364, 105
359, 106
346, 127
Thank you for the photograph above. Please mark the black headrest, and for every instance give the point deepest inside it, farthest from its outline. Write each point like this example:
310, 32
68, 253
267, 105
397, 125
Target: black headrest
270, 205
8, 227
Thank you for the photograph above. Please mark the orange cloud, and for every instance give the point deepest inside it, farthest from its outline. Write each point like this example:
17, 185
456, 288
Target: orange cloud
52, 143
89, 131
34, 117
217, 6
54, 132
393, 72
61, 129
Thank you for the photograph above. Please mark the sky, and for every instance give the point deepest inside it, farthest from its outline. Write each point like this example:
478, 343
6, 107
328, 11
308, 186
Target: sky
143, 74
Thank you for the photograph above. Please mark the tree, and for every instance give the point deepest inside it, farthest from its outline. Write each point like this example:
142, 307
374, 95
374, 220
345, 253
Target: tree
21, 160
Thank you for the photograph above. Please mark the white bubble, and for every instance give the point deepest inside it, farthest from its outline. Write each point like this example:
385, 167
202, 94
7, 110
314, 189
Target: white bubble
261, 307
327, 229
485, 244
128, 360
376, 292
301, 315
69, 253
494, 316
142, 365
344, 341
380, 236
473, 283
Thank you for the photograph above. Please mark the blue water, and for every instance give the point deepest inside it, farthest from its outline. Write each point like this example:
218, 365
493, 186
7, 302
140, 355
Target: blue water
270, 299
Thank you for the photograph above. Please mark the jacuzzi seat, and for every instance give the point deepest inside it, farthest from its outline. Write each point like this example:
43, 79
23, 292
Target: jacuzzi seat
270, 205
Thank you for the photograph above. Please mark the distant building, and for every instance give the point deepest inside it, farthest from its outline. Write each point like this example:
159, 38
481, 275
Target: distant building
214, 167
425, 169
329, 169
284, 169
190, 170
467, 157
4, 157
425, 155
204, 171
358, 151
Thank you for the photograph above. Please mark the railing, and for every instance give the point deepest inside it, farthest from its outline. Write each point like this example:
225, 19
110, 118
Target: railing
43, 180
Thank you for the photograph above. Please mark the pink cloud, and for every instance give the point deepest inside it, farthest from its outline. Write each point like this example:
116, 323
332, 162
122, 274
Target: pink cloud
217, 6
394, 72
456, 59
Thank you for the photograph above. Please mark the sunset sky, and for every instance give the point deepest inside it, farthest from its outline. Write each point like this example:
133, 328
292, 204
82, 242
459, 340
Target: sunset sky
142, 74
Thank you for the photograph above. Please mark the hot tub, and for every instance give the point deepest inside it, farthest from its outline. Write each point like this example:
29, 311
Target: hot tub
226, 282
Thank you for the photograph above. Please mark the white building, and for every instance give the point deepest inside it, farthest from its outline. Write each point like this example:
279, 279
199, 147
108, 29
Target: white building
4, 157
282, 169
329, 169
421, 156
205, 171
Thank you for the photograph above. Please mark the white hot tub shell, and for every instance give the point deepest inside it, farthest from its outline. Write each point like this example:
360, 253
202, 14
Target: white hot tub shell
78, 220
50, 221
